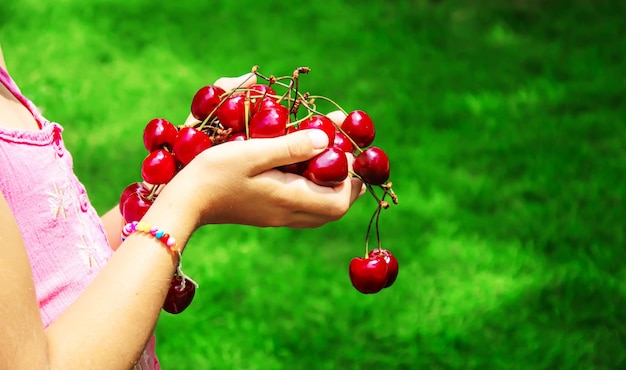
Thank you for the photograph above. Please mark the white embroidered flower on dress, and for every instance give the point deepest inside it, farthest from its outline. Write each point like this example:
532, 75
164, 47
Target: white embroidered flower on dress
59, 200
90, 252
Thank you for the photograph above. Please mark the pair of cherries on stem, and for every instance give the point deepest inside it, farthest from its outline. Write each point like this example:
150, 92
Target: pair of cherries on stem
378, 269
374, 272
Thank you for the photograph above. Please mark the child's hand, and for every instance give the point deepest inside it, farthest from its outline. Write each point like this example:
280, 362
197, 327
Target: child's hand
235, 182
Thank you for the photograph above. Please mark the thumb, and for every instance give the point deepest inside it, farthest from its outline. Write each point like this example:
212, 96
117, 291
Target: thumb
295, 147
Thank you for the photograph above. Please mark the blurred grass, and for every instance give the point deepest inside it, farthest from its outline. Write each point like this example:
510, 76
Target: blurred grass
504, 122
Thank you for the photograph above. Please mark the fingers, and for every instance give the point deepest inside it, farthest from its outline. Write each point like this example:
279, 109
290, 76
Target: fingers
358, 189
337, 117
306, 204
298, 147
285, 199
229, 83
190, 120
357, 186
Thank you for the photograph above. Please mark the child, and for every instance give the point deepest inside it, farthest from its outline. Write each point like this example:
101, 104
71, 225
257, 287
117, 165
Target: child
74, 296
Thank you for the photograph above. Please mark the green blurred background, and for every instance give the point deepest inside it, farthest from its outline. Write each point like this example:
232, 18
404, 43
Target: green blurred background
504, 122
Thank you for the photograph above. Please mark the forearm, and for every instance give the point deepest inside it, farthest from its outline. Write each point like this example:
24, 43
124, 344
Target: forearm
113, 319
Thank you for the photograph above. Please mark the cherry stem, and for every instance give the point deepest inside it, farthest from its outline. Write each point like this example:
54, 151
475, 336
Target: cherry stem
295, 83
313, 110
223, 98
278, 81
378, 229
153, 192
330, 101
374, 220
369, 229
299, 121
381, 202
246, 109
292, 95
389, 190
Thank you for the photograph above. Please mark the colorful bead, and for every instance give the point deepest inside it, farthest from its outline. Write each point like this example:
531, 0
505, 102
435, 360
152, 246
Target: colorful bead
147, 228
171, 242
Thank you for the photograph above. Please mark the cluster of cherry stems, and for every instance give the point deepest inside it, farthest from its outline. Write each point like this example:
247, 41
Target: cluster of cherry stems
257, 111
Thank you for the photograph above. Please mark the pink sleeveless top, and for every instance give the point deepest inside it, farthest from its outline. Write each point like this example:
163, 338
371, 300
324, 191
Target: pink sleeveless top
62, 232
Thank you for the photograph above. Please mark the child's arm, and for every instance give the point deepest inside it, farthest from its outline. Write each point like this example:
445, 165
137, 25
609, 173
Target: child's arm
109, 324
23, 342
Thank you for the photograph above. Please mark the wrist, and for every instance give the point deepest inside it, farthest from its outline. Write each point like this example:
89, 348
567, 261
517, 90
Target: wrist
172, 214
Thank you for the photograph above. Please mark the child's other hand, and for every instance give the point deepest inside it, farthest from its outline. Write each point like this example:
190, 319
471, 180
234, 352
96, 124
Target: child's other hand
229, 83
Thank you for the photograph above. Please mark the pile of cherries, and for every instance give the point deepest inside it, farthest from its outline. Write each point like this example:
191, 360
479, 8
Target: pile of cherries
258, 111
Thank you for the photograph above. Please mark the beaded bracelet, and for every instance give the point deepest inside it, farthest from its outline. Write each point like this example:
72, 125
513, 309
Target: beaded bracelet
147, 228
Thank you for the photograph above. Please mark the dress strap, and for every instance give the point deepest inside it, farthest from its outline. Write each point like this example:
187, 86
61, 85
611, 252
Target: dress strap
8, 82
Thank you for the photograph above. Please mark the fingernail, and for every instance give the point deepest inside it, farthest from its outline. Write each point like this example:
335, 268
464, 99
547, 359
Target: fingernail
319, 139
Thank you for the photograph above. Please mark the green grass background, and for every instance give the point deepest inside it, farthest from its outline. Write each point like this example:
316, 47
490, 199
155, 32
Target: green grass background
504, 122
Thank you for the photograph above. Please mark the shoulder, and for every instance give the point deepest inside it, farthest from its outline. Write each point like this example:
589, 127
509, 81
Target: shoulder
3, 64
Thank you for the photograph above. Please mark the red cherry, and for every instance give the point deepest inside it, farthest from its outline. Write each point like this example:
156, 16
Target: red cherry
180, 294
135, 207
392, 264
342, 142
260, 90
264, 103
368, 275
372, 165
329, 168
158, 133
135, 187
205, 100
320, 122
189, 143
159, 167
269, 123
239, 136
232, 113
297, 168
359, 126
